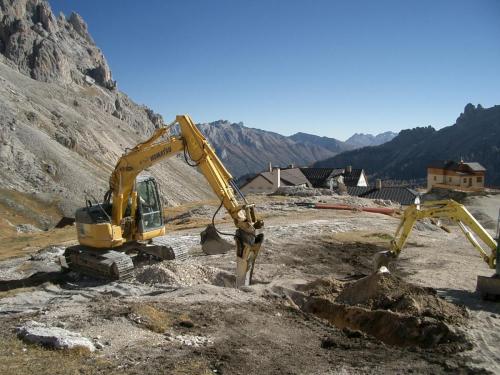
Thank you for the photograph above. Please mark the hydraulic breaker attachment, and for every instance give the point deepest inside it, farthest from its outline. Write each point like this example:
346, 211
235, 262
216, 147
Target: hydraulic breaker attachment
247, 250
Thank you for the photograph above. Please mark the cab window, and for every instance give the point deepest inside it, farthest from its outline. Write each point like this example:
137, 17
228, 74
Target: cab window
149, 206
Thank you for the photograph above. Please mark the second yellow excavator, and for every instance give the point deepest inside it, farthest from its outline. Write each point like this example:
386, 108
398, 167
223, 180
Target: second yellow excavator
130, 219
488, 287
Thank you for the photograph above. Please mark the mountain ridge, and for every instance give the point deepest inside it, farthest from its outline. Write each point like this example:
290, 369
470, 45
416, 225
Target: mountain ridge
475, 136
359, 140
247, 150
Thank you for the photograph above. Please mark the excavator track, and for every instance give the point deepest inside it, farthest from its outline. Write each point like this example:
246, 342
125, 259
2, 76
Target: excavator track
178, 251
107, 264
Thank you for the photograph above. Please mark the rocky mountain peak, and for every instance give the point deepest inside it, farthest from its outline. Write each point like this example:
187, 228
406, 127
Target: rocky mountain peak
358, 140
80, 26
47, 48
225, 124
470, 110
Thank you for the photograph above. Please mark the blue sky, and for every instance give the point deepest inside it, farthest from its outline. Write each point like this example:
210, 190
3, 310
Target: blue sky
324, 67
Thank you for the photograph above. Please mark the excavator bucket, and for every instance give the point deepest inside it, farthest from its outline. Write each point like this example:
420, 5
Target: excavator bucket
489, 287
382, 259
212, 243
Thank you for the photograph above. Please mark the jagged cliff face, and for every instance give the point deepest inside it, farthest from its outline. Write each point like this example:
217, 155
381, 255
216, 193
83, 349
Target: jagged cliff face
63, 122
47, 48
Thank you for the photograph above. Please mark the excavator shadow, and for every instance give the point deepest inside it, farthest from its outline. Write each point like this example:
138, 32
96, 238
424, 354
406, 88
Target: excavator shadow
472, 300
36, 279
66, 280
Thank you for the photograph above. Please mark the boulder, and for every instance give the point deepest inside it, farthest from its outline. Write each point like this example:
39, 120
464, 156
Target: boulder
53, 337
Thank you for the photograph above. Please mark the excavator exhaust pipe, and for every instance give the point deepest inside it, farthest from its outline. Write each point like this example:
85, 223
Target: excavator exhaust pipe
212, 243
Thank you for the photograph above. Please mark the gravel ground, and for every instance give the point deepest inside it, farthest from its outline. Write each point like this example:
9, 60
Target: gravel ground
192, 322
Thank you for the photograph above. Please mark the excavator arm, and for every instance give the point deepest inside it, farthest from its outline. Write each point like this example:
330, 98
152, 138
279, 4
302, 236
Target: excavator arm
440, 209
192, 142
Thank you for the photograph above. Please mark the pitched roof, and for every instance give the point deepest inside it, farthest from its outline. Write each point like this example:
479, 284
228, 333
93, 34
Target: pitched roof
457, 167
476, 167
403, 195
352, 178
294, 176
358, 191
319, 176
288, 176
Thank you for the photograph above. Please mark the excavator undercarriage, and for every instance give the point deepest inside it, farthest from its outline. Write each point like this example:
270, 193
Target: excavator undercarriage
119, 263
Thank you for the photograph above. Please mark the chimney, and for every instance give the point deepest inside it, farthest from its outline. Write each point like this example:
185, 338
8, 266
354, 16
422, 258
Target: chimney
378, 184
348, 169
276, 178
270, 167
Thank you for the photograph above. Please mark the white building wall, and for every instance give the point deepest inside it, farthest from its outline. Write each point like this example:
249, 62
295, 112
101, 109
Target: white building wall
362, 180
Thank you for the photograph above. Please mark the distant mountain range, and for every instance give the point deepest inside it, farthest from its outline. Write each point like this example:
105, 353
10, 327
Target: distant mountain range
359, 140
475, 136
331, 144
247, 150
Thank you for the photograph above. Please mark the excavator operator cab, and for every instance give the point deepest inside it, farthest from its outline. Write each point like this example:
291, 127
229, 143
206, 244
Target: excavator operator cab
149, 209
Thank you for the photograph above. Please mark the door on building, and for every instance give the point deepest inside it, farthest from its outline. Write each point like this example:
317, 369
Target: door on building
470, 181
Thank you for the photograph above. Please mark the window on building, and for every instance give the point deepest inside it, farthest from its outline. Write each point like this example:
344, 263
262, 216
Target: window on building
479, 179
465, 180
435, 178
449, 179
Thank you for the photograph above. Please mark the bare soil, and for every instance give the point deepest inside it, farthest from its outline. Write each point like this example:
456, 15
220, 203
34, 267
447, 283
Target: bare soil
313, 309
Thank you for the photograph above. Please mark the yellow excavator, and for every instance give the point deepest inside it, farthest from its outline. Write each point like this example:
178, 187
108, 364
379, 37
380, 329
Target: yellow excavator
488, 287
129, 222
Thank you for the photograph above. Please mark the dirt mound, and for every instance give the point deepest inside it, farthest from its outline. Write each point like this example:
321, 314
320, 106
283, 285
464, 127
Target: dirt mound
388, 292
180, 274
324, 287
387, 308
387, 326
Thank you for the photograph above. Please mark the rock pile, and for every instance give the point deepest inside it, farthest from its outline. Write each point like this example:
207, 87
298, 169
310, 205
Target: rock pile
179, 274
299, 191
189, 340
